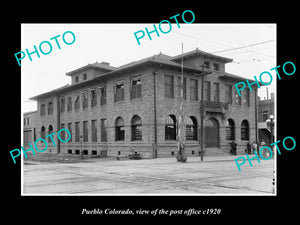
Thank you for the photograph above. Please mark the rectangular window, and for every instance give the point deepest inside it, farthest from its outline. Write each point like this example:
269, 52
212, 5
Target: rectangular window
93, 98
50, 108
62, 104
216, 92
77, 103
237, 98
206, 64
77, 132
216, 66
69, 106
179, 87
169, 86
94, 152
76, 79
43, 109
70, 130
103, 95
228, 93
246, 97
94, 130
84, 100
265, 115
136, 88
103, 130
85, 131
194, 89
207, 91
119, 92
84, 76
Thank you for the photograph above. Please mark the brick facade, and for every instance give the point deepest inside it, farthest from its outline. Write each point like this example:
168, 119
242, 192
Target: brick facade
151, 72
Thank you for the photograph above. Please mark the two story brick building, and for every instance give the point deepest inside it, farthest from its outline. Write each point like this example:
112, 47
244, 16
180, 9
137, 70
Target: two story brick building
135, 107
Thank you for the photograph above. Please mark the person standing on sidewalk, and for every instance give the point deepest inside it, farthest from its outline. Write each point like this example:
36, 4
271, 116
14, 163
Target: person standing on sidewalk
249, 148
233, 147
254, 145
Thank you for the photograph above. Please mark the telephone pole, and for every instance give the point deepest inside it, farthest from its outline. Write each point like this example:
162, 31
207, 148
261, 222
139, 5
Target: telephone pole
202, 114
181, 157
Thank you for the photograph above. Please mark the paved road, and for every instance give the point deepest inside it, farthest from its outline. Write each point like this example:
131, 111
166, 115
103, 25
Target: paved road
163, 176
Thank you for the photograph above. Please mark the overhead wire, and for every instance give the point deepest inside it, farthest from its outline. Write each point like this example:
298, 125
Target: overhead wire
234, 48
245, 46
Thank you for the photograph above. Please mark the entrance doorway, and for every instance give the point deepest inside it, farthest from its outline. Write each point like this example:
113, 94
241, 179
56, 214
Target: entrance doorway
212, 133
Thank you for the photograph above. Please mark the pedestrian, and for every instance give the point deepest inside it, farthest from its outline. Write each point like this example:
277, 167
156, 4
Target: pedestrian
249, 148
254, 145
233, 147
81, 155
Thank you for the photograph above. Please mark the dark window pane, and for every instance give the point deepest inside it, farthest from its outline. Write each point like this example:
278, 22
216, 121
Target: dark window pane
136, 128
170, 128
169, 86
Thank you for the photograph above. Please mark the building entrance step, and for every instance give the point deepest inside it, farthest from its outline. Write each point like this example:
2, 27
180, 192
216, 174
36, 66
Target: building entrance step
214, 151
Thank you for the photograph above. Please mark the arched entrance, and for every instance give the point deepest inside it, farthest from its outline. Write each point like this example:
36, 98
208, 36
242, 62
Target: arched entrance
212, 133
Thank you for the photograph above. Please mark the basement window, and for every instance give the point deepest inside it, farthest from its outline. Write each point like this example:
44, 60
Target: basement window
94, 152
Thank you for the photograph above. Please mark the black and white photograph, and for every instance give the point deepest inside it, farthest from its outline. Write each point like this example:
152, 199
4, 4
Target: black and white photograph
176, 112
159, 116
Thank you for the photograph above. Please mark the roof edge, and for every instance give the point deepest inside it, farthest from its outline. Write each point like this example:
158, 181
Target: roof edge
200, 52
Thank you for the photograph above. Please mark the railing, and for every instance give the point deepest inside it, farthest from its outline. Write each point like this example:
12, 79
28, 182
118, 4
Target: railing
220, 107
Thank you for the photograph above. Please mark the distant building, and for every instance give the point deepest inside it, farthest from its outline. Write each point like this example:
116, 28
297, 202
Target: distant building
266, 108
134, 108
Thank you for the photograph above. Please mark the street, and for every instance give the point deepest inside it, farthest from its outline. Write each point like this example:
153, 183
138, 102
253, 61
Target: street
162, 176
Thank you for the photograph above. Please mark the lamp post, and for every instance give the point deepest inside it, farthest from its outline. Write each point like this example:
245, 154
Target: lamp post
81, 151
270, 122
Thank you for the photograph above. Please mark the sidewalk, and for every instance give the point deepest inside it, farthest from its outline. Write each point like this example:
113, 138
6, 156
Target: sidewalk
65, 158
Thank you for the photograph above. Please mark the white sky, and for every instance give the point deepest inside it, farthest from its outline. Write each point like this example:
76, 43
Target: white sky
116, 44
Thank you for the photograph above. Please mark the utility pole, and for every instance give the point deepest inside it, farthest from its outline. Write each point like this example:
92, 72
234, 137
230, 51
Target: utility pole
202, 114
181, 157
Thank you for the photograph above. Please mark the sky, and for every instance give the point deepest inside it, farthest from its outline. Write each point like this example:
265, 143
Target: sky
251, 46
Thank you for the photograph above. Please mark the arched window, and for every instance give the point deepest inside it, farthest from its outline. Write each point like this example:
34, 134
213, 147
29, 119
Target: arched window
136, 128
170, 128
43, 132
230, 135
191, 129
50, 131
120, 130
245, 130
